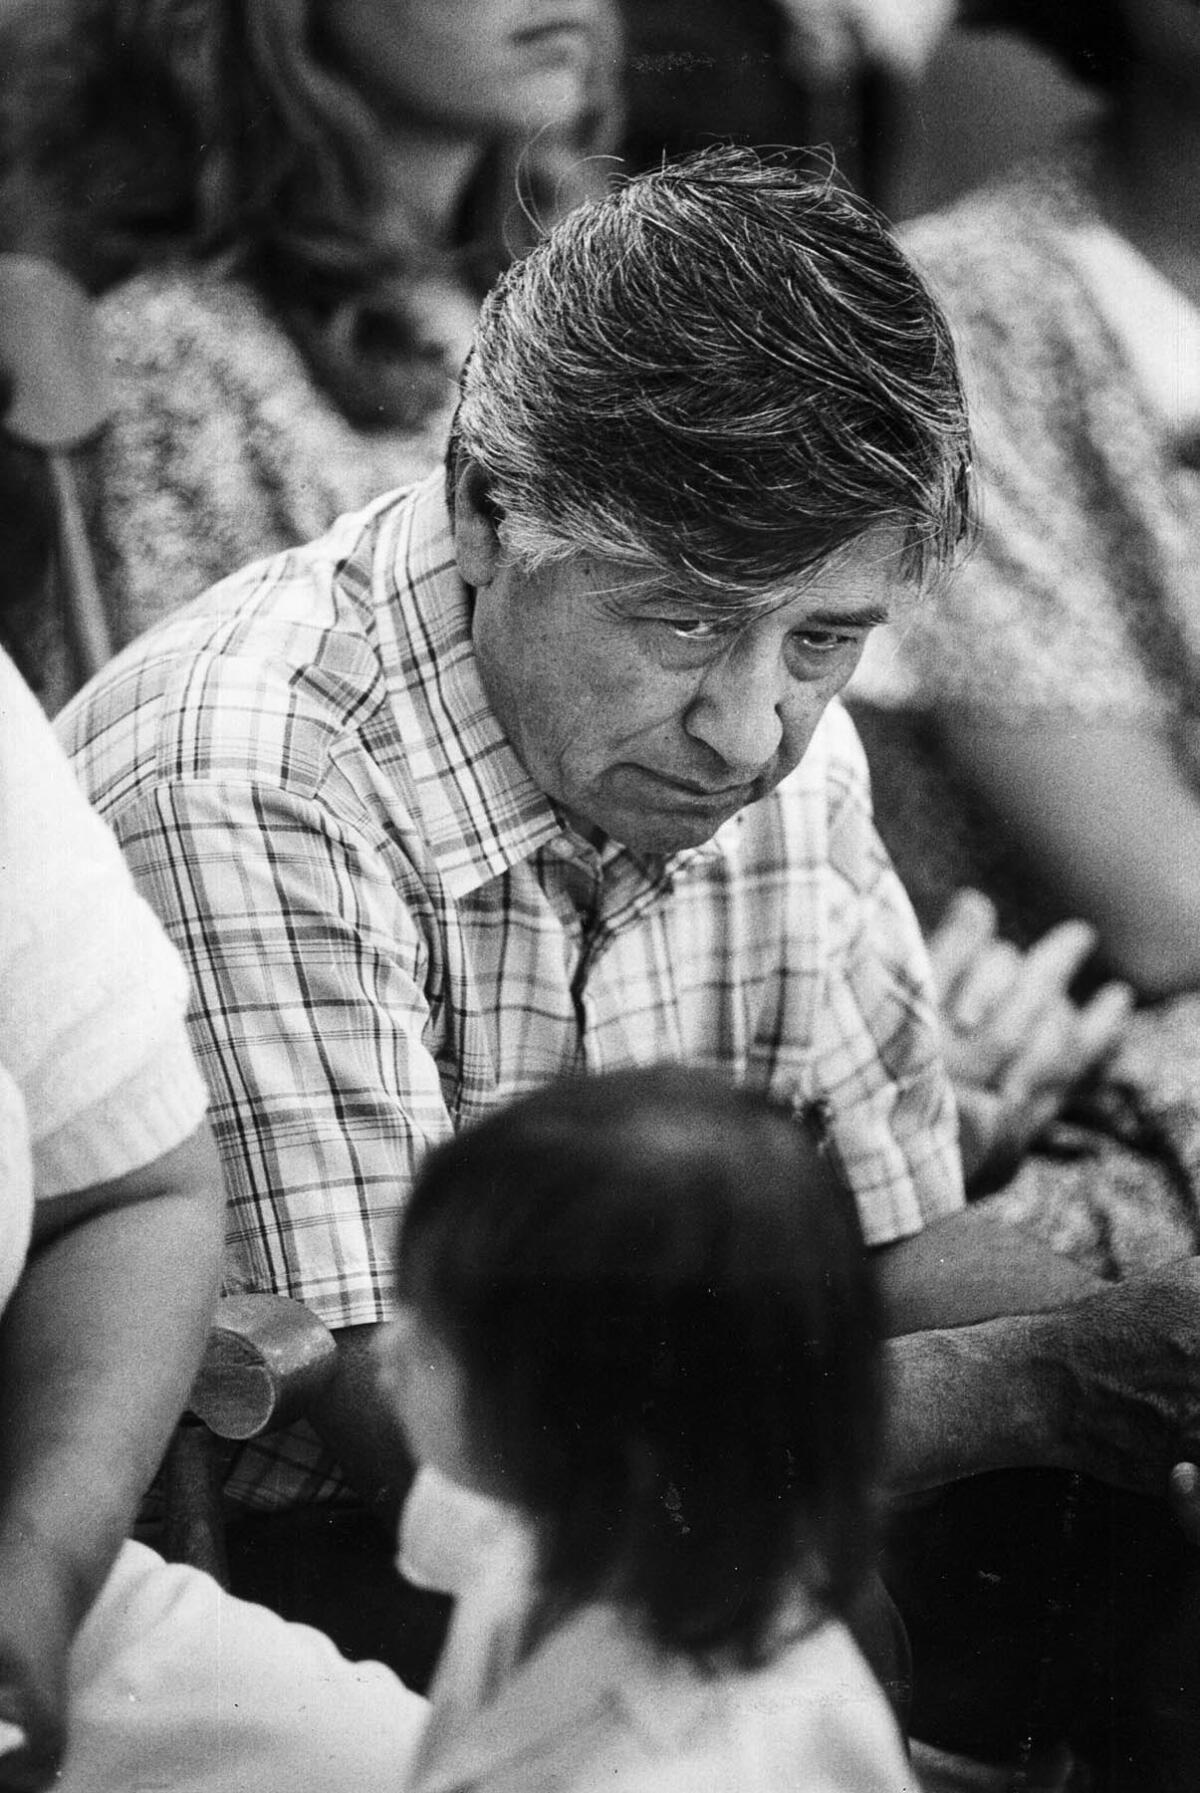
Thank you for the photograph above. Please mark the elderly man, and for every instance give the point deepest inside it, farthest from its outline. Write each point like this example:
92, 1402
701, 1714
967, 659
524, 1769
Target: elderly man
546, 773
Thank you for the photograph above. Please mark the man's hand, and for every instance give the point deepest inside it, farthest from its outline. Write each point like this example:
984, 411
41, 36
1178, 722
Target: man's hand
1127, 1361
1015, 1043
830, 40
1105, 1380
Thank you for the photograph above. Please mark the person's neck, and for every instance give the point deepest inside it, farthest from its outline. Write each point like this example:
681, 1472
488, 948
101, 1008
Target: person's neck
1150, 180
424, 177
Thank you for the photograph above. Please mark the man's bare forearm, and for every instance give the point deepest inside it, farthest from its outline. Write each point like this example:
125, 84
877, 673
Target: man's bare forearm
968, 1399
971, 1384
968, 1268
1108, 1385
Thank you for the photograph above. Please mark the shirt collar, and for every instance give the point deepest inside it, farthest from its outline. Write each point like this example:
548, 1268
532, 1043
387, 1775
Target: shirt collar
489, 1712
481, 812
593, 1664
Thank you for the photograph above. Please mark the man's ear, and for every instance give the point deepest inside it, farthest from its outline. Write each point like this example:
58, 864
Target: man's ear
477, 545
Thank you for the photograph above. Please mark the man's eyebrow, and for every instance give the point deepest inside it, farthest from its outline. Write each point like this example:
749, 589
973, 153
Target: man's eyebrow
648, 596
865, 616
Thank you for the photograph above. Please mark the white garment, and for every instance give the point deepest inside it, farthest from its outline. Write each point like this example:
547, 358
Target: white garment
595, 1707
177, 1686
92, 994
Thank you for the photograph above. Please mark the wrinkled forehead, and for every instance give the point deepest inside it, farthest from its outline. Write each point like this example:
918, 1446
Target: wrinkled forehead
876, 564
879, 554
865, 581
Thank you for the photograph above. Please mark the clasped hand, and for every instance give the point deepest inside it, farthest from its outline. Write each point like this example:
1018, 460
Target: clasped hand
1015, 1043
1129, 1406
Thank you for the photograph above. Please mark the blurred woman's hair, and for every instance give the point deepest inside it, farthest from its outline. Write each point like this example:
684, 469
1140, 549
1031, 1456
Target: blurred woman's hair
136, 131
657, 1292
1088, 37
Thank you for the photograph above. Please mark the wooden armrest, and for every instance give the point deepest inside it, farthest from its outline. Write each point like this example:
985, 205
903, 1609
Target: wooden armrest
267, 1357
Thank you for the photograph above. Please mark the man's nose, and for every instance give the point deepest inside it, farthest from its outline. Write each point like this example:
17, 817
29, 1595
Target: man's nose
740, 708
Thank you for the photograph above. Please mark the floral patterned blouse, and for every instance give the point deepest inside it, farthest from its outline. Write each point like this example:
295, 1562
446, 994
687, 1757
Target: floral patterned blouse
220, 448
1083, 592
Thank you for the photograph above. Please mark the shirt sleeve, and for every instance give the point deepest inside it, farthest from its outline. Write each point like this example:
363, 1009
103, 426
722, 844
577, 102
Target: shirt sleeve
92, 996
309, 1017
888, 1103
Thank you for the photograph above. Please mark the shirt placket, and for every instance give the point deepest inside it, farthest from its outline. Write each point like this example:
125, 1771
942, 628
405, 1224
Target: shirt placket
596, 893
572, 882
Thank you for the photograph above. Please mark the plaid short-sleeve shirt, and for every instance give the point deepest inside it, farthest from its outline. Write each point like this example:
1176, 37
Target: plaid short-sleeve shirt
382, 919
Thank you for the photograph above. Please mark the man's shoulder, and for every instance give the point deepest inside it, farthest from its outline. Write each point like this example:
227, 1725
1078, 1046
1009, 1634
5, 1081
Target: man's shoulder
255, 681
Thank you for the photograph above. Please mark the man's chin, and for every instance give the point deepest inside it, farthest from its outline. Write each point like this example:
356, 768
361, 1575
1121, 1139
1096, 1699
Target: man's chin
654, 818
659, 837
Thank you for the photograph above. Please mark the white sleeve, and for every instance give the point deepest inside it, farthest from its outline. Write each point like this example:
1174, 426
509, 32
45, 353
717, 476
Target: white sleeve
92, 995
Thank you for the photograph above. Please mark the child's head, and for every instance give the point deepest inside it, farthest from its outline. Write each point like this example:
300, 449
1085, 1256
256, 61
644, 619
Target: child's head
643, 1303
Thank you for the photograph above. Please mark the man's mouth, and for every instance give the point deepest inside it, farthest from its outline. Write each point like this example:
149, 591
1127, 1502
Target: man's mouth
705, 795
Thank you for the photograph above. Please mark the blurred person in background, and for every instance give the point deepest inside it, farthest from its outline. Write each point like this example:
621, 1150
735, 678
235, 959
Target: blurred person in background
1036, 733
292, 208
1066, 672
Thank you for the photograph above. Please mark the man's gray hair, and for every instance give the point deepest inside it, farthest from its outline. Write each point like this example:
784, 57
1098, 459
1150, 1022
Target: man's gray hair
722, 372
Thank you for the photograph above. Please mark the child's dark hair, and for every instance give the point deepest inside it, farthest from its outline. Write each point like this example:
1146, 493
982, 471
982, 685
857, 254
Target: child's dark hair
658, 1293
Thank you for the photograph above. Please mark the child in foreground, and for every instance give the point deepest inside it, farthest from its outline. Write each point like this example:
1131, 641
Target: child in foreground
636, 1312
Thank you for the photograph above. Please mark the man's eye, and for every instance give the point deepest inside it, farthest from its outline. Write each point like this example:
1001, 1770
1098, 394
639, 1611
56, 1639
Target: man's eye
821, 641
694, 628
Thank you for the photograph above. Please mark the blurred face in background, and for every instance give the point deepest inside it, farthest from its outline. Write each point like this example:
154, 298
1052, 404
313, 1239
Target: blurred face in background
481, 67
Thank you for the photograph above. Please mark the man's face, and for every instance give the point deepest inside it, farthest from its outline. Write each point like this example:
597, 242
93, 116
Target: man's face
644, 722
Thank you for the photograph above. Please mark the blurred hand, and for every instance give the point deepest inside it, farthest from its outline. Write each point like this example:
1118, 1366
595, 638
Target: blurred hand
1015, 1043
831, 39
